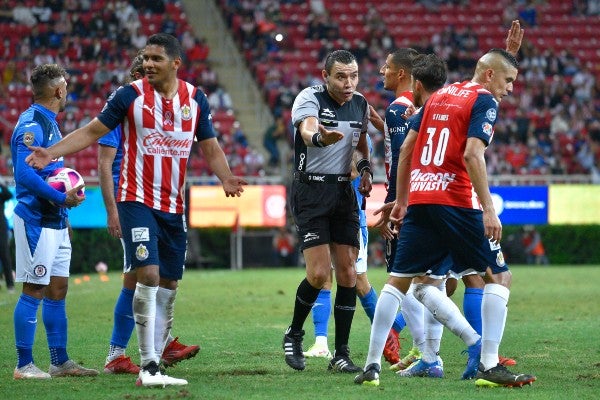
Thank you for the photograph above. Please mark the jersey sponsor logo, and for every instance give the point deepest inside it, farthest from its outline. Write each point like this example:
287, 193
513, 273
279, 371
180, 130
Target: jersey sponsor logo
140, 234
141, 252
40, 270
326, 112
316, 178
186, 113
428, 181
157, 143
28, 138
491, 114
310, 236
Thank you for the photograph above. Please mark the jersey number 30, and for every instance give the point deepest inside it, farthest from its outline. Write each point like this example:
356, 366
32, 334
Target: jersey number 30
435, 151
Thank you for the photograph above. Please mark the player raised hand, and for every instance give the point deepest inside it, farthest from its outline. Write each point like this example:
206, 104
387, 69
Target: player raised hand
514, 38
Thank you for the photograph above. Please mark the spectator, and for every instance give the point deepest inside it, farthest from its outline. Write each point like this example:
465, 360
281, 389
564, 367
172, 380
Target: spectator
219, 99
284, 247
534, 248
272, 135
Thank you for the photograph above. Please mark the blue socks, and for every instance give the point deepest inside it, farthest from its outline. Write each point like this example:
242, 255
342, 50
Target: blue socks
321, 311
54, 315
369, 301
124, 323
472, 307
25, 322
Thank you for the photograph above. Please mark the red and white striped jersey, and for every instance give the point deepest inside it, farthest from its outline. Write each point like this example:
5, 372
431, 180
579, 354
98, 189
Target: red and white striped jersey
157, 140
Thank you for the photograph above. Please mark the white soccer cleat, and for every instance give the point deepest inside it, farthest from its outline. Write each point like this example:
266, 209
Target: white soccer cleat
150, 376
318, 351
30, 371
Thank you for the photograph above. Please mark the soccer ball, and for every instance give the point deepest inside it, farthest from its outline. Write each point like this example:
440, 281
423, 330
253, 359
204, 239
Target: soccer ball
65, 179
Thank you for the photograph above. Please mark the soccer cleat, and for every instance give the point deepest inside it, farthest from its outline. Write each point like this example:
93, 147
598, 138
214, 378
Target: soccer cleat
507, 362
318, 351
30, 371
474, 352
121, 365
423, 369
176, 351
391, 351
370, 376
150, 376
71, 368
413, 355
501, 376
292, 347
341, 361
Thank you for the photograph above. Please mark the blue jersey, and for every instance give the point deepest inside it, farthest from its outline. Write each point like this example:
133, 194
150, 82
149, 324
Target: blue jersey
113, 139
37, 126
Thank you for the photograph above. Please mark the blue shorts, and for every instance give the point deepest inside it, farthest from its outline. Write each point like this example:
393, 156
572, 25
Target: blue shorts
437, 238
153, 237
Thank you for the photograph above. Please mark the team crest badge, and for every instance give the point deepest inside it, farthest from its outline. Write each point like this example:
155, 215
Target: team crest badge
141, 252
39, 271
186, 113
500, 259
28, 138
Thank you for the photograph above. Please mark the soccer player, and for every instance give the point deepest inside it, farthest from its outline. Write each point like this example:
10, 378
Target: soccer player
110, 155
41, 228
330, 123
428, 74
160, 116
451, 207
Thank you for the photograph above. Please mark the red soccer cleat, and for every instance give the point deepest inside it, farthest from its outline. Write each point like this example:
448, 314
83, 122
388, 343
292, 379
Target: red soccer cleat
121, 365
176, 351
507, 362
391, 351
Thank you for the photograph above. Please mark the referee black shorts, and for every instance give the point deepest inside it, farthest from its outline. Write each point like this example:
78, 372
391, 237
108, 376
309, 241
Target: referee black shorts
325, 213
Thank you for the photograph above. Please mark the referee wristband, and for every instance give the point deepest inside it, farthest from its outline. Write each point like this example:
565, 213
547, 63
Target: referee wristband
364, 165
316, 140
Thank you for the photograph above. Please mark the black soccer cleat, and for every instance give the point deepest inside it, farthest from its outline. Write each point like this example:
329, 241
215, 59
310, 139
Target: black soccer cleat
292, 347
341, 361
501, 376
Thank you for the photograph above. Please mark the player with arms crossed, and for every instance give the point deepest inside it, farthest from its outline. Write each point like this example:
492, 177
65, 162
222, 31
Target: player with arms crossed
161, 116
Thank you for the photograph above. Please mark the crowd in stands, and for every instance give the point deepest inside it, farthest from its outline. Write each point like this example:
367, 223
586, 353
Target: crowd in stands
550, 125
95, 41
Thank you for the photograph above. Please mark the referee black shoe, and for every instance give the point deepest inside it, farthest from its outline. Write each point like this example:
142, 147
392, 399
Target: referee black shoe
292, 346
341, 361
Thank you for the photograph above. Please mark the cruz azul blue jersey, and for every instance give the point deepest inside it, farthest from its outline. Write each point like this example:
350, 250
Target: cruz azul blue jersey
37, 126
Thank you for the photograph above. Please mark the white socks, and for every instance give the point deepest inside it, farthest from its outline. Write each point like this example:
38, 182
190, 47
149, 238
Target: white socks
493, 314
446, 312
144, 313
165, 309
389, 300
413, 312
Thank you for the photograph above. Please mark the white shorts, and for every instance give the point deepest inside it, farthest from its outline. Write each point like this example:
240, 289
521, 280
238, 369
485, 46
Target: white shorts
51, 252
361, 261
